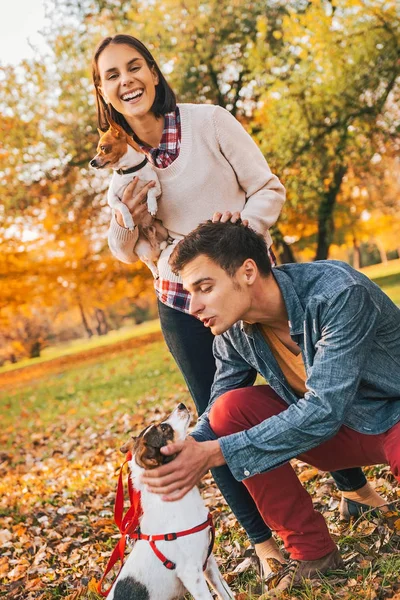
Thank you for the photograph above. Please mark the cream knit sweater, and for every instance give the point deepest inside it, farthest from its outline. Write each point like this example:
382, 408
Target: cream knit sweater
219, 168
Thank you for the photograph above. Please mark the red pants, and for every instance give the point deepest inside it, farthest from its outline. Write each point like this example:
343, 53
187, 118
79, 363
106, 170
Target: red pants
284, 504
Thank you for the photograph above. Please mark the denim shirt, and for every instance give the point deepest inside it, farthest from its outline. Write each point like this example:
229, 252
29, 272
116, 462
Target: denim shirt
348, 331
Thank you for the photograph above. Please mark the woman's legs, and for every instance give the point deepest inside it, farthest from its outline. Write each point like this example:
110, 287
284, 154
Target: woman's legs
190, 343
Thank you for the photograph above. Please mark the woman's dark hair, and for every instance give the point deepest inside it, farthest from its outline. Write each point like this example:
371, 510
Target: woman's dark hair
226, 244
164, 102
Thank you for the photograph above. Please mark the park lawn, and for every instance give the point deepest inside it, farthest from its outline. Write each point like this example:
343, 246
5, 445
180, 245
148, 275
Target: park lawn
387, 276
59, 463
63, 419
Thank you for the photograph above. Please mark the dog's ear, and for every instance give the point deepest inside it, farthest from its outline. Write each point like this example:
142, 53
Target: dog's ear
146, 456
129, 446
115, 130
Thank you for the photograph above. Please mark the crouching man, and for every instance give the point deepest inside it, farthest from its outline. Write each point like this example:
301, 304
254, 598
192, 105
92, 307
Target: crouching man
327, 341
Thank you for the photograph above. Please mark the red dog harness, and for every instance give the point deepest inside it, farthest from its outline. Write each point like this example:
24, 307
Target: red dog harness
128, 525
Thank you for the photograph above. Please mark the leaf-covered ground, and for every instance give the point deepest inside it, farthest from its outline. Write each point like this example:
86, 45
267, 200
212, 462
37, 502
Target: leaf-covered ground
62, 425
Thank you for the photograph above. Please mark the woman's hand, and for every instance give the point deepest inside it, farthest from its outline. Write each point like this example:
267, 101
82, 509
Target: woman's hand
228, 216
136, 200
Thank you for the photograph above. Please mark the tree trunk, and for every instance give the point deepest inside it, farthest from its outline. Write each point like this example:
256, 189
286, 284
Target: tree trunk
34, 350
281, 248
102, 325
325, 217
356, 254
382, 251
84, 321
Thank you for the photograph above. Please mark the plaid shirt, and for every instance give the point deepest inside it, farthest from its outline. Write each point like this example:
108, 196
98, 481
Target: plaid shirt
168, 150
169, 292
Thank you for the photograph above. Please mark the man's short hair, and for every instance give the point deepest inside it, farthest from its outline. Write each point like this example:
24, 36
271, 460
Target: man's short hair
226, 244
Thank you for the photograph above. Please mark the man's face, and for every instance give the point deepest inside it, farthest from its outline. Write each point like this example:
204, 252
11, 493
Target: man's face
217, 299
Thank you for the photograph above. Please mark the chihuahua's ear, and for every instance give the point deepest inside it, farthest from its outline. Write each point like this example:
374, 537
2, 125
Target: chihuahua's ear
129, 446
115, 130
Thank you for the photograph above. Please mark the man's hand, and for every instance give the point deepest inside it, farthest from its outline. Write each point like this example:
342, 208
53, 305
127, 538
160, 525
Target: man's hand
177, 478
228, 216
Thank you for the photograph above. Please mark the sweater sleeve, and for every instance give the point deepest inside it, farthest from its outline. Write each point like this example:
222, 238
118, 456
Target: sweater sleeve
265, 194
122, 242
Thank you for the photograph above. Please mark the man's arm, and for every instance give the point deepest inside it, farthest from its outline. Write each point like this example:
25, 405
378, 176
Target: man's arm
348, 328
197, 456
232, 372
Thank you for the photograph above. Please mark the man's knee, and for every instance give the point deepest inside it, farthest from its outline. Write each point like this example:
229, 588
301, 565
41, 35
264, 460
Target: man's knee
241, 409
225, 414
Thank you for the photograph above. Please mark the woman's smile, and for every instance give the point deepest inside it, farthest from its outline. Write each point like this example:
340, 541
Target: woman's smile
133, 96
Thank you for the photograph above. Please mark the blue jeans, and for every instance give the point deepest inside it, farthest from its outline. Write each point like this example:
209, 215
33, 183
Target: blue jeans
190, 343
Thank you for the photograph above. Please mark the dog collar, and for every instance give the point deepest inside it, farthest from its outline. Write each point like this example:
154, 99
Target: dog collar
133, 169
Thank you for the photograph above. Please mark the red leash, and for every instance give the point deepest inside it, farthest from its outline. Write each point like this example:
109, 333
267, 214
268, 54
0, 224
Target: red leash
128, 526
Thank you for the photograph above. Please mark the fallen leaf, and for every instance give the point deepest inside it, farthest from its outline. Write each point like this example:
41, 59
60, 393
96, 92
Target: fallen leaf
308, 474
5, 536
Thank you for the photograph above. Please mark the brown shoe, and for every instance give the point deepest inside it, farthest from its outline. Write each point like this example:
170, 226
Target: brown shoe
286, 576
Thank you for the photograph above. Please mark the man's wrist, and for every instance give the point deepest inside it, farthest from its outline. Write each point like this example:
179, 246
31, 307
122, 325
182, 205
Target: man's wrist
216, 457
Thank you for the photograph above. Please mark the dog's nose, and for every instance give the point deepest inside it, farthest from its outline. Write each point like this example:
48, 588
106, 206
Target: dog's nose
181, 406
93, 163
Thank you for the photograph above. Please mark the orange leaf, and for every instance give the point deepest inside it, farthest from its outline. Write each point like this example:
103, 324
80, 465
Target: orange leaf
92, 587
34, 584
308, 474
77, 594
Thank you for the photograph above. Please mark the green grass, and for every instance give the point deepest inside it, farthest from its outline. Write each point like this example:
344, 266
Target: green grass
387, 277
381, 270
148, 372
390, 284
84, 344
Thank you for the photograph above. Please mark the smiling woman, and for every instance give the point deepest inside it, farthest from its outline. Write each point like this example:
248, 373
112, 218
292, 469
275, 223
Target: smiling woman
125, 75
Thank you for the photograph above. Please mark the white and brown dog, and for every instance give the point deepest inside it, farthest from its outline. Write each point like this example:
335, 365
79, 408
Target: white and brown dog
178, 564
117, 150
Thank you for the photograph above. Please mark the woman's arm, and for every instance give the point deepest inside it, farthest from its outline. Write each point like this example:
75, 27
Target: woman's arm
265, 194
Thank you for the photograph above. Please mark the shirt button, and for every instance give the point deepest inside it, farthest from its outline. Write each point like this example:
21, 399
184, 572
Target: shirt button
246, 472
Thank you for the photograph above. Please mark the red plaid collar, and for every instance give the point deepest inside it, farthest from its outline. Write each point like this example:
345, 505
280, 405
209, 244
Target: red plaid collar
168, 150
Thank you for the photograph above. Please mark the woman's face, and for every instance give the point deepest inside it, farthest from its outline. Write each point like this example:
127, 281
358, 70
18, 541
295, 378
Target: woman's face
127, 82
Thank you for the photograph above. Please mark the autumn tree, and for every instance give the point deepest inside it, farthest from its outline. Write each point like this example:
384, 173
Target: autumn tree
326, 104
316, 82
